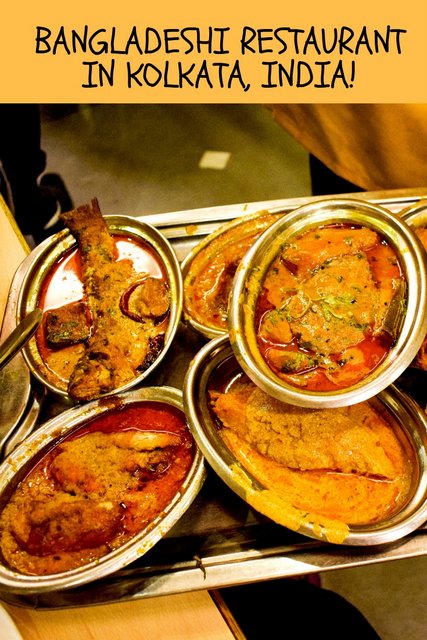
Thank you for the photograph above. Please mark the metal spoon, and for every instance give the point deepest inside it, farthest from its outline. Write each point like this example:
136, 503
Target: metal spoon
19, 336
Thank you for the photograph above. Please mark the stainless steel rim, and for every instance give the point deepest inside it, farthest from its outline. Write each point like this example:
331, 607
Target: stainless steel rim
207, 330
59, 427
416, 215
256, 261
50, 250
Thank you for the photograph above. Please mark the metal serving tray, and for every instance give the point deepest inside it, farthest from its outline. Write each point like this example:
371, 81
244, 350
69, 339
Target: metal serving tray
220, 541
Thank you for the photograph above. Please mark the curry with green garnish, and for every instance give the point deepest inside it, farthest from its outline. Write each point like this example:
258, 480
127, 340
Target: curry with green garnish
323, 316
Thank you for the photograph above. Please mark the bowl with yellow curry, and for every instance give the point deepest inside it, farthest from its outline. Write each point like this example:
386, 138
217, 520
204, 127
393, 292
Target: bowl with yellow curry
353, 475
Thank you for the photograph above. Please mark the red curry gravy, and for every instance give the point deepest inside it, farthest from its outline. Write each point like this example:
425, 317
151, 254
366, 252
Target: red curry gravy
96, 489
323, 304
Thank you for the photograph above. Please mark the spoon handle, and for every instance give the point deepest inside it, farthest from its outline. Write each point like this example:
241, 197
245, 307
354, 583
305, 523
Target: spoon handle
19, 336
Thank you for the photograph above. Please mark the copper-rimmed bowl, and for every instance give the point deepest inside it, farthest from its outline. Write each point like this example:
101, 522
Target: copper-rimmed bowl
216, 366
411, 309
24, 458
48, 255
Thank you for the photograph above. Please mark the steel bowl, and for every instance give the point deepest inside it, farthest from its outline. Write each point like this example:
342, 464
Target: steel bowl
48, 253
416, 214
217, 359
202, 255
252, 269
26, 455
416, 217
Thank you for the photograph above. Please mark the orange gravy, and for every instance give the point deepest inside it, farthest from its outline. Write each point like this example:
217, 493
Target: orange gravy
209, 280
352, 465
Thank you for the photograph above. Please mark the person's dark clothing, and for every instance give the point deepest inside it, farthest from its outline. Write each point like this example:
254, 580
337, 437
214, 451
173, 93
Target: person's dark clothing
33, 198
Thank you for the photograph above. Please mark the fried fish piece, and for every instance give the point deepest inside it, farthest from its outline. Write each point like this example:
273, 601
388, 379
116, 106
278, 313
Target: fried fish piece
333, 308
118, 346
347, 440
66, 524
342, 303
68, 324
148, 298
304, 254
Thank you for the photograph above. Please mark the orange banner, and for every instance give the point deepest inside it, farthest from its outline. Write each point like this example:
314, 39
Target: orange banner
183, 52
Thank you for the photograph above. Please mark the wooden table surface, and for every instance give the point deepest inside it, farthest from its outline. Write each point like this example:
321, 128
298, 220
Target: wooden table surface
189, 616
192, 615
